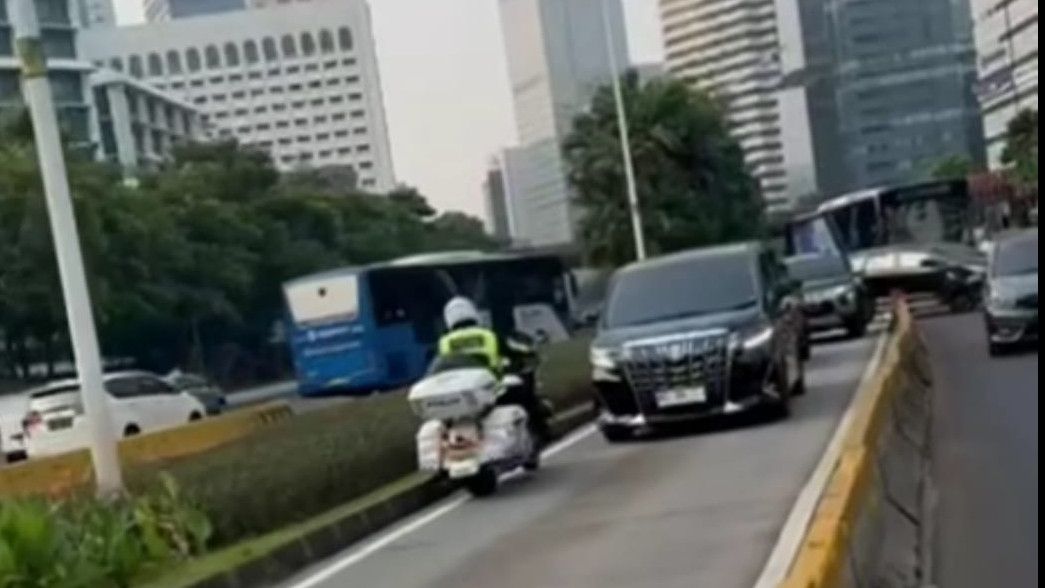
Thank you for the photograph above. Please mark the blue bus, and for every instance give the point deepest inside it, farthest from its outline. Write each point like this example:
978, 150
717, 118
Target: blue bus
357, 330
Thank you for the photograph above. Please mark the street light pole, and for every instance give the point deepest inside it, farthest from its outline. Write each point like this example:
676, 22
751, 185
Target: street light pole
37, 91
622, 126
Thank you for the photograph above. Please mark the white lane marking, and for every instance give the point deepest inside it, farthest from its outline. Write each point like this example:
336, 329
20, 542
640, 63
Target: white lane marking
357, 555
790, 538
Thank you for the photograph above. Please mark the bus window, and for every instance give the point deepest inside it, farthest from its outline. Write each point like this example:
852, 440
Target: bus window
325, 299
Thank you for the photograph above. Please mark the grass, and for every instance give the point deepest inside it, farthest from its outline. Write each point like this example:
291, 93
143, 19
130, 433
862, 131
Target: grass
315, 462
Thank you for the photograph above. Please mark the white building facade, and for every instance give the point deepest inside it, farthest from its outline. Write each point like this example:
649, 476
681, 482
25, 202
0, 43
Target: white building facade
557, 58
747, 54
299, 81
70, 86
1006, 33
139, 125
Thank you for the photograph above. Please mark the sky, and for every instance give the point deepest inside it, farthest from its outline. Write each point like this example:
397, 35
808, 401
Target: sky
445, 87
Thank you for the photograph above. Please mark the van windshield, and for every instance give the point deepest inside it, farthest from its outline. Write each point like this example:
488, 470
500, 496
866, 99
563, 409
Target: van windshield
688, 287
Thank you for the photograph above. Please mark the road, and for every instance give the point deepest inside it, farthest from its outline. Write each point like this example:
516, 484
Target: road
698, 510
986, 443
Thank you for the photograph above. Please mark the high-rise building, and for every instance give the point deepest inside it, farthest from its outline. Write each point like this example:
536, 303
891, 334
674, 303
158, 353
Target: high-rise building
159, 10
59, 25
1006, 34
747, 54
558, 55
299, 81
139, 125
904, 74
97, 13
497, 222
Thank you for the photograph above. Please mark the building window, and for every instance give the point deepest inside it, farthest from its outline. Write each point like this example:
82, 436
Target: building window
116, 64
315, 84
174, 62
352, 79
330, 65
212, 56
365, 165
294, 88
308, 45
250, 52
261, 109
320, 120
196, 83
301, 122
200, 100
276, 90
326, 41
236, 78
316, 102
344, 151
348, 61
337, 99
257, 91
231, 55
312, 67
363, 149
324, 154
279, 107
177, 85
304, 139
355, 97
136, 69
282, 124
340, 134
241, 112
263, 127
288, 46
293, 69
192, 59
323, 137
339, 116
268, 47
59, 44
334, 82
217, 79
218, 98
344, 39
369, 183
254, 75
239, 95
155, 65
357, 114
297, 104
359, 131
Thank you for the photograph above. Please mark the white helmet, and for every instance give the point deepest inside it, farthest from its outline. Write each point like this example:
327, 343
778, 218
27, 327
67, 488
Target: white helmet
459, 310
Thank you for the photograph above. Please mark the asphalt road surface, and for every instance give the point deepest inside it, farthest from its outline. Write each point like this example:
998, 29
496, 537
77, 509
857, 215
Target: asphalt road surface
986, 444
701, 509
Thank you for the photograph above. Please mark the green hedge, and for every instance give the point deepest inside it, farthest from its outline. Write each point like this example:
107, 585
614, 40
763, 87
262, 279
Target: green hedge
315, 461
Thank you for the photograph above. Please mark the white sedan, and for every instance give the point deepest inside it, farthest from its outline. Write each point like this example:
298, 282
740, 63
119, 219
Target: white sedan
139, 402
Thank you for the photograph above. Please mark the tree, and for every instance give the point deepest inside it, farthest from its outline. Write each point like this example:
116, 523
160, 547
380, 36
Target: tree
952, 167
1021, 148
692, 184
187, 268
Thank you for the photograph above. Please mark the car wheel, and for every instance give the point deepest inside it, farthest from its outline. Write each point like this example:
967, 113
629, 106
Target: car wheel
131, 430
482, 484
856, 327
615, 433
195, 416
806, 347
995, 349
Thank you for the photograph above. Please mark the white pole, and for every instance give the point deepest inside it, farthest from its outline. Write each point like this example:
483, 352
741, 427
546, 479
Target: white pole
37, 91
625, 145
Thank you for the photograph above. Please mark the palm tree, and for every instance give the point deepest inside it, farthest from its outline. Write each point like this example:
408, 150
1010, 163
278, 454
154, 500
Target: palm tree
692, 183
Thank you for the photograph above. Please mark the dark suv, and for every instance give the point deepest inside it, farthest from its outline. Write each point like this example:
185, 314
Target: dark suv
694, 334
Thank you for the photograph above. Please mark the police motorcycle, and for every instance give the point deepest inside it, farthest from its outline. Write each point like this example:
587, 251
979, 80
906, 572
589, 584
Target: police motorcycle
470, 432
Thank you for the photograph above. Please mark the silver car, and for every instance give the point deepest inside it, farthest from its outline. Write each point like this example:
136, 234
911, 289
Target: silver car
1011, 308
210, 395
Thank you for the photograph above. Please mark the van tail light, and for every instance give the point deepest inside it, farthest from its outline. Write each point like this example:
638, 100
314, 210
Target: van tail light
32, 423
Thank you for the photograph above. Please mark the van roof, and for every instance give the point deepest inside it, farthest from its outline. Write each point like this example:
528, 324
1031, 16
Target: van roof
738, 248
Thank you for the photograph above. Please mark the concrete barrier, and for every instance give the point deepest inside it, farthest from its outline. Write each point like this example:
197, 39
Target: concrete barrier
870, 525
60, 475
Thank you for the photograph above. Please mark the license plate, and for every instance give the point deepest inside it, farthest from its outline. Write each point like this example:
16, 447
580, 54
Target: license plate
59, 424
680, 396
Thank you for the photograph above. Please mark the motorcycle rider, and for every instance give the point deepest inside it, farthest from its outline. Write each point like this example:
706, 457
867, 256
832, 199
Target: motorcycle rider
466, 335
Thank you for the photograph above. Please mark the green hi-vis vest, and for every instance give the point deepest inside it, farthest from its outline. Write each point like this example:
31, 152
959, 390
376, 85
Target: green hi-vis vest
472, 341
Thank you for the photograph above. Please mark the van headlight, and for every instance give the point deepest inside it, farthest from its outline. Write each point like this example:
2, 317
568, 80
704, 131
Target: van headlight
752, 339
603, 358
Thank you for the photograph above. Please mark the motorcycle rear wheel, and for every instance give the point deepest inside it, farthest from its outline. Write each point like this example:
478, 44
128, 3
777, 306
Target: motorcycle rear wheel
483, 483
